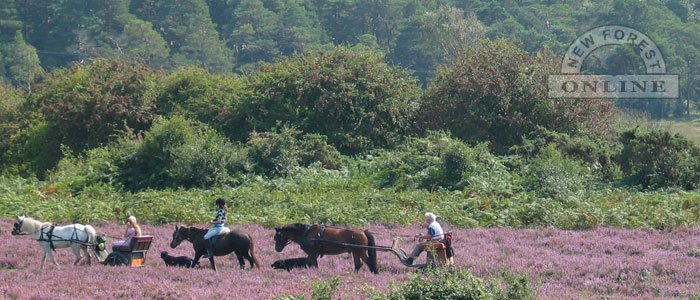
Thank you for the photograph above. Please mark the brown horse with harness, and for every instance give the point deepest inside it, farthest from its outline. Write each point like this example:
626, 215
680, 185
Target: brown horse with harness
318, 240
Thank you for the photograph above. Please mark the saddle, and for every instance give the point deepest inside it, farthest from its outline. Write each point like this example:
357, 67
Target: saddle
215, 238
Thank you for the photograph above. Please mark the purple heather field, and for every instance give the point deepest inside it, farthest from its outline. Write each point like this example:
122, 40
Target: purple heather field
613, 263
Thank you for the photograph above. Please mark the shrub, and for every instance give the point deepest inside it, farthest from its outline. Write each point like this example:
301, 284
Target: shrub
551, 175
181, 153
91, 104
349, 95
276, 152
273, 153
657, 159
210, 99
598, 153
498, 93
456, 284
442, 161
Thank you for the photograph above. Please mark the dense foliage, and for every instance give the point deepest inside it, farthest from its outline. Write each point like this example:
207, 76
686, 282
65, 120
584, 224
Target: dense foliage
233, 36
336, 136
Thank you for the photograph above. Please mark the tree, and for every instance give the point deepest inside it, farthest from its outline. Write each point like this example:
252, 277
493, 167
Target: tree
253, 37
348, 94
447, 33
187, 28
91, 104
18, 60
138, 39
498, 93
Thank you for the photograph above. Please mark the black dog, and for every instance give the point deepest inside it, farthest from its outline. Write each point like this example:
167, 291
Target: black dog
289, 264
180, 261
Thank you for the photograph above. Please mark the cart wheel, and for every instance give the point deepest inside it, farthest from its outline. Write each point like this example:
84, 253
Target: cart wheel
116, 259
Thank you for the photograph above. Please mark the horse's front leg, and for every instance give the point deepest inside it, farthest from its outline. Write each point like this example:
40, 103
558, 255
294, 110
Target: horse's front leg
197, 256
43, 260
312, 260
78, 256
53, 259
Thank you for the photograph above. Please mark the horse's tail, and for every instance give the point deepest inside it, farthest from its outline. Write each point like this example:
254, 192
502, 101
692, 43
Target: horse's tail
372, 253
252, 252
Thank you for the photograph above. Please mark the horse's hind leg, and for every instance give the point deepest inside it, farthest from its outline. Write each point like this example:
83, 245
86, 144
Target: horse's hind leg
250, 260
356, 257
241, 262
87, 256
213, 265
365, 258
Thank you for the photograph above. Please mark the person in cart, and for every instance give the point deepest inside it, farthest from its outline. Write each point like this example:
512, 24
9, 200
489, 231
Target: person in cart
435, 234
132, 230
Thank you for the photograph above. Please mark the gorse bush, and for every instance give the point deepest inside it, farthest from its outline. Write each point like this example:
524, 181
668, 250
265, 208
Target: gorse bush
180, 153
657, 158
350, 95
598, 153
457, 284
498, 93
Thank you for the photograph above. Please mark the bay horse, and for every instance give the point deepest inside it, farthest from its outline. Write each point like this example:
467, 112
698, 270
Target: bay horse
334, 242
76, 236
235, 241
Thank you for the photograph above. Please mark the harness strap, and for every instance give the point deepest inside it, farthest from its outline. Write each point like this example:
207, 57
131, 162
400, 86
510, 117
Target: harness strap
50, 236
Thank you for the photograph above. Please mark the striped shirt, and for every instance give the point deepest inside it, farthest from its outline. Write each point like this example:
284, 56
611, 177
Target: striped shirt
221, 213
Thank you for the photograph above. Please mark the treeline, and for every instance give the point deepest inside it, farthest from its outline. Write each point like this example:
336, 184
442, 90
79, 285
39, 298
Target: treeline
191, 128
231, 36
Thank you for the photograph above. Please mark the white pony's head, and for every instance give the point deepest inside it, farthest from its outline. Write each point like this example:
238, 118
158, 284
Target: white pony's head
17, 228
26, 225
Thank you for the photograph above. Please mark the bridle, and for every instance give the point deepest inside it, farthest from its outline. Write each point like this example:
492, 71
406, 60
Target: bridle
281, 235
17, 230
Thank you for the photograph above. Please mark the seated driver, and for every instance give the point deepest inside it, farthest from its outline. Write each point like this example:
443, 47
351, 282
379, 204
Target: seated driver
435, 234
132, 230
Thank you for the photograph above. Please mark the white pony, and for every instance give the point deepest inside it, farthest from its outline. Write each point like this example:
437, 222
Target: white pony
76, 236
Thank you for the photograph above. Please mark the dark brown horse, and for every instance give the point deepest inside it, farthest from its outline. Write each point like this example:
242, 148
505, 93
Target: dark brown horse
235, 241
317, 240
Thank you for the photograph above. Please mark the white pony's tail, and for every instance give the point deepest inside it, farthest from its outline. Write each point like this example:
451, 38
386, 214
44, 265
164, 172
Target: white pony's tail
91, 234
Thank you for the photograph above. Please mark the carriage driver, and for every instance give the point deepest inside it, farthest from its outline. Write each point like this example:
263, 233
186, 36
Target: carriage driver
219, 226
435, 233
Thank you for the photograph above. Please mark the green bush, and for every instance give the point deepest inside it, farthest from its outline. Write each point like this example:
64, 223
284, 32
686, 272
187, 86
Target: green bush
276, 152
210, 99
658, 159
350, 95
498, 93
598, 153
181, 153
457, 284
87, 106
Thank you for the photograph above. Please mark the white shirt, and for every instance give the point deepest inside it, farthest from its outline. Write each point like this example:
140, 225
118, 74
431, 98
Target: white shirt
435, 230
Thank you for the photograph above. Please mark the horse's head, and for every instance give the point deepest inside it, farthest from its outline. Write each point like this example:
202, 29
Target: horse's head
281, 240
17, 228
177, 237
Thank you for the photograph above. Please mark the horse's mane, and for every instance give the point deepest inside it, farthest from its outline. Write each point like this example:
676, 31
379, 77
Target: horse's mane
34, 225
297, 228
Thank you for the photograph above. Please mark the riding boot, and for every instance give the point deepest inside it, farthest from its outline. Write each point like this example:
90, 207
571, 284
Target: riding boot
208, 245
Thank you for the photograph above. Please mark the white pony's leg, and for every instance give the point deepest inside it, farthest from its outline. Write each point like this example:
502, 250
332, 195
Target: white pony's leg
53, 260
43, 260
87, 255
76, 252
